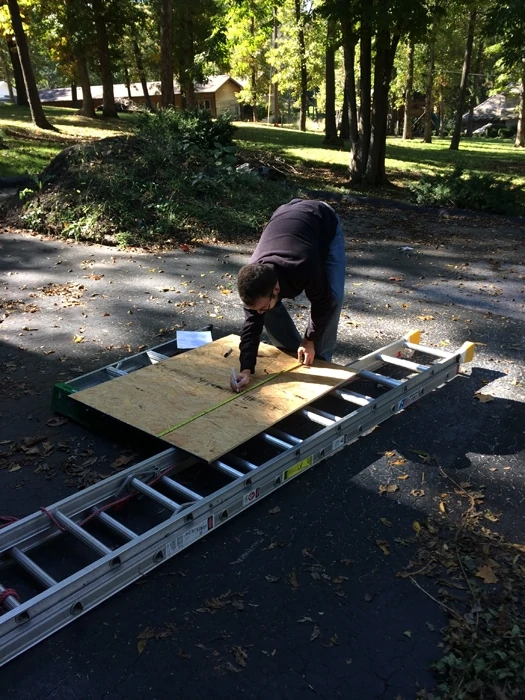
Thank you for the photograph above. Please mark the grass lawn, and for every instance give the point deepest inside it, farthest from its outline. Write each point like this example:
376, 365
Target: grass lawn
309, 162
406, 161
27, 150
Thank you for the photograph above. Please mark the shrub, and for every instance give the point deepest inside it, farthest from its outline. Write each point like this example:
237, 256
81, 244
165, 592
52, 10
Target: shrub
468, 190
175, 180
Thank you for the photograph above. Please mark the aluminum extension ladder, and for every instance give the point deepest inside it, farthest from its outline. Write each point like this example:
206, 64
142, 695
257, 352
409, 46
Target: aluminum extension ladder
101, 521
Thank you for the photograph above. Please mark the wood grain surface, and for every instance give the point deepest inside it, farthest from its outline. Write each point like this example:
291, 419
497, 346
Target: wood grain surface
187, 399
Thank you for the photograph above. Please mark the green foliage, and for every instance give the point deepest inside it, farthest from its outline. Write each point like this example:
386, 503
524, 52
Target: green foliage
176, 127
174, 181
468, 190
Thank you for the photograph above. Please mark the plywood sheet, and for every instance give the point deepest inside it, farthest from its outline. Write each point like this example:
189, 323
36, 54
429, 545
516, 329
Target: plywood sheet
188, 402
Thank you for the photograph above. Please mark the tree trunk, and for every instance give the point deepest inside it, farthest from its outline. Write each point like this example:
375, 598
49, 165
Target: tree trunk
88, 108
142, 74
275, 94
109, 108
330, 126
409, 93
21, 94
166, 53
456, 136
429, 92
37, 112
127, 81
386, 46
349, 44
474, 97
365, 93
520, 134
74, 95
253, 76
303, 73
344, 128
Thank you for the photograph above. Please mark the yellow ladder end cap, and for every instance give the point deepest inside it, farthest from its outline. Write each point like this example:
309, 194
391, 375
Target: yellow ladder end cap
467, 352
413, 337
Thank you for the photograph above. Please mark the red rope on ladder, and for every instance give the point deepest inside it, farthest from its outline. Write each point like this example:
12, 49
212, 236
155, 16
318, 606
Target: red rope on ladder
7, 520
8, 592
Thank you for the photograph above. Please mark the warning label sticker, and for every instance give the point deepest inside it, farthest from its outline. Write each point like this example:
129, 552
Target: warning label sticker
297, 468
251, 496
192, 534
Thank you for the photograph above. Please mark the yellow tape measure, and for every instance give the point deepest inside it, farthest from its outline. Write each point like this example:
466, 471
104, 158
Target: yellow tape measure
230, 398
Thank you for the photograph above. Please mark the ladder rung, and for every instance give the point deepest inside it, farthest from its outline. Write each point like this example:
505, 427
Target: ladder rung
428, 351
155, 495
184, 490
241, 462
116, 527
77, 531
292, 439
29, 565
316, 416
353, 397
277, 442
114, 372
380, 378
226, 469
399, 362
10, 602
156, 357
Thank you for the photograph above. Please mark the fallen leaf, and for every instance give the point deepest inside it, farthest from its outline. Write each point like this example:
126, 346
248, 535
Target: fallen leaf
417, 493
305, 619
293, 580
240, 655
425, 318
333, 641
271, 579
442, 507
78, 339
275, 510
56, 422
416, 527
388, 488
121, 461
483, 398
398, 462
385, 522
402, 477
141, 645
487, 574
315, 633
383, 546
491, 516
407, 633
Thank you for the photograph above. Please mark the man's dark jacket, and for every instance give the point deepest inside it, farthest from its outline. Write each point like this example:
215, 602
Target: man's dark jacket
295, 242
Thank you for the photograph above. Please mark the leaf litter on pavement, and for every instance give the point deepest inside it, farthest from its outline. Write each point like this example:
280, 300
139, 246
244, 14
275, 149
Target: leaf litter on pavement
478, 578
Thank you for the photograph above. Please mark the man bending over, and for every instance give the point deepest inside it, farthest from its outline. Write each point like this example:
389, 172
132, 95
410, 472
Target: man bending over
301, 250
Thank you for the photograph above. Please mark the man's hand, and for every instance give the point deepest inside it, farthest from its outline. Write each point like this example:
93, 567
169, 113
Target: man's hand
306, 352
239, 380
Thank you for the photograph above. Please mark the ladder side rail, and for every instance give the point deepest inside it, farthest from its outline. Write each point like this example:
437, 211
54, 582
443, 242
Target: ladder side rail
371, 361
37, 528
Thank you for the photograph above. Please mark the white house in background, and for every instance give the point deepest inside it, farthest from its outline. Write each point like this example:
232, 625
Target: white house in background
218, 95
500, 110
4, 92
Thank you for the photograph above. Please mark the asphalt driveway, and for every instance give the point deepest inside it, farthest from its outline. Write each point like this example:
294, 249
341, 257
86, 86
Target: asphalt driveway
300, 596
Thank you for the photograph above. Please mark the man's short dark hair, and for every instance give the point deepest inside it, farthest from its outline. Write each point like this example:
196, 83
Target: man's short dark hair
255, 281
